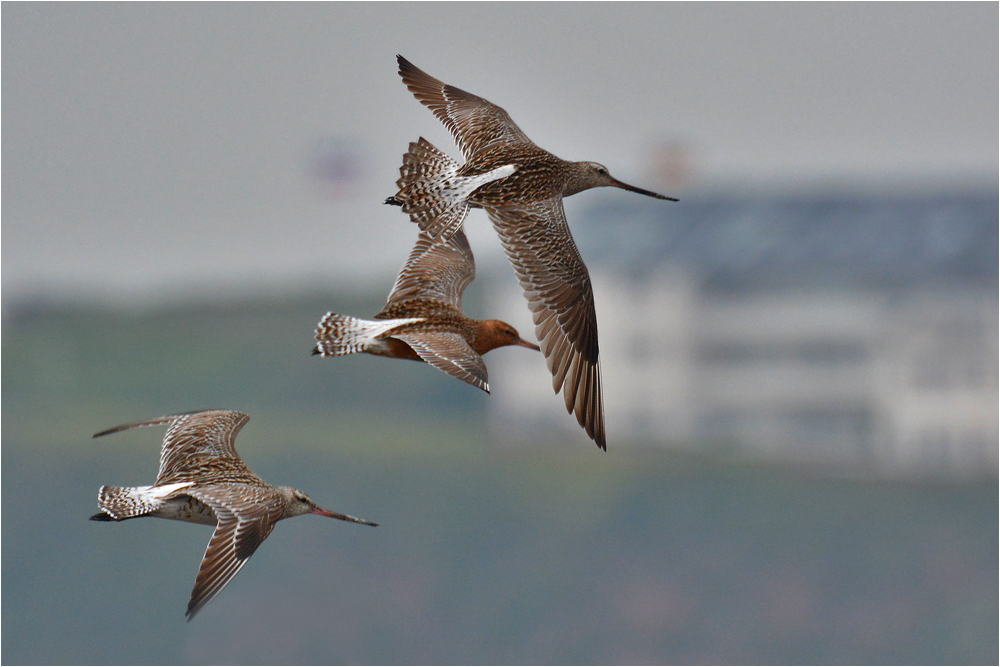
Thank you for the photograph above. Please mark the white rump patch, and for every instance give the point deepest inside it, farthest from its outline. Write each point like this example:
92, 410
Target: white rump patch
165, 490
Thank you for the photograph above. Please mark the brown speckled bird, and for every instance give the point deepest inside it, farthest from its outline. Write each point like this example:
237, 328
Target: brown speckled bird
422, 319
203, 480
521, 187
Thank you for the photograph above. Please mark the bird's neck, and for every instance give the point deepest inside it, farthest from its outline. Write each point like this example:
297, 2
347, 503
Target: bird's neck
485, 337
576, 180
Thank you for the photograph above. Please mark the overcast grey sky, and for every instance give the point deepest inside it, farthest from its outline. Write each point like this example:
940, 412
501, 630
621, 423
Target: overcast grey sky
163, 149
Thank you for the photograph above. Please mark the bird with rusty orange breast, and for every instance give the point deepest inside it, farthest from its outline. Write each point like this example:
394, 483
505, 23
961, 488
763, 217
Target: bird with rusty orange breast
423, 319
521, 187
203, 480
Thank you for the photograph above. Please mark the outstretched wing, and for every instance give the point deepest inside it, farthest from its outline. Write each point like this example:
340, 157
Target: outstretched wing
450, 353
475, 123
436, 269
557, 286
245, 521
197, 445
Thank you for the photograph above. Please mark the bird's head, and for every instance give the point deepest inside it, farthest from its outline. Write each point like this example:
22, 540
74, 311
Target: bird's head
298, 503
588, 175
497, 333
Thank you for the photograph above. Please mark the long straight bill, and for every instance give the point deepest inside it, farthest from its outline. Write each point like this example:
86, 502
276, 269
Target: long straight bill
631, 188
342, 517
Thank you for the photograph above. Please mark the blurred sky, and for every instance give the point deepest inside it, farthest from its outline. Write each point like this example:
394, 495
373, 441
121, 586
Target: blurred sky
187, 149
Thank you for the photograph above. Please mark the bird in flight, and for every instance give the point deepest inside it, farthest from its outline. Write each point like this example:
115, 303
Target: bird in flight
203, 480
422, 319
521, 188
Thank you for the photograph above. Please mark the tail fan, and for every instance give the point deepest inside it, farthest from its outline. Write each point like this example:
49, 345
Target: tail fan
337, 335
126, 502
433, 194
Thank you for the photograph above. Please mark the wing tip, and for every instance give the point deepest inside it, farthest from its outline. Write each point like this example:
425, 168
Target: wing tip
167, 419
406, 67
599, 439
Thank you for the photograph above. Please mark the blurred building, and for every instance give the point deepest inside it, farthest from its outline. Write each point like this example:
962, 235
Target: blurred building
851, 331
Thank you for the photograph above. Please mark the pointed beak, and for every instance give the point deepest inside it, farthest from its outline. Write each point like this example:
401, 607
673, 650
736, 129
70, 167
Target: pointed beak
530, 346
615, 183
342, 517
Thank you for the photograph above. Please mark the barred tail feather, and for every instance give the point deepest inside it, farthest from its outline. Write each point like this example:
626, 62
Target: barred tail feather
126, 502
432, 193
337, 335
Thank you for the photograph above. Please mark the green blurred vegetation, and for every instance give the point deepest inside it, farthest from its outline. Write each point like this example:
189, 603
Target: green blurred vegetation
552, 553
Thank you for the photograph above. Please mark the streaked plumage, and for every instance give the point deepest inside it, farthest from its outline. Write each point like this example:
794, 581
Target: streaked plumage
203, 480
527, 212
422, 319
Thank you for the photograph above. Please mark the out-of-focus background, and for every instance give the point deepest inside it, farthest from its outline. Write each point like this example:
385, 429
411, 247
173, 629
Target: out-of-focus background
800, 357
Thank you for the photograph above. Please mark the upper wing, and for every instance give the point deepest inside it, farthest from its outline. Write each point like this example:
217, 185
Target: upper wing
196, 443
439, 270
475, 123
244, 523
450, 353
557, 286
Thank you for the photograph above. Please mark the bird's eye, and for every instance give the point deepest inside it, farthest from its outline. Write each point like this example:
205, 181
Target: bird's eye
602, 171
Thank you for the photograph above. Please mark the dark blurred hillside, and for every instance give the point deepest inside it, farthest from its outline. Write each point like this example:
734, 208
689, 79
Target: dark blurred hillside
551, 553
255, 354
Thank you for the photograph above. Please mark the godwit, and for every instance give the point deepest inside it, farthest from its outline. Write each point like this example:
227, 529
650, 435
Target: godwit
525, 206
422, 319
203, 480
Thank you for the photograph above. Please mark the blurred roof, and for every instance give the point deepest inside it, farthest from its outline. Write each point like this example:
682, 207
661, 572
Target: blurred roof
730, 243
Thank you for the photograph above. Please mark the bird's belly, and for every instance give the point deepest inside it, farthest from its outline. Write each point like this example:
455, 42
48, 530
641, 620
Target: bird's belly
391, 347
186, 508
